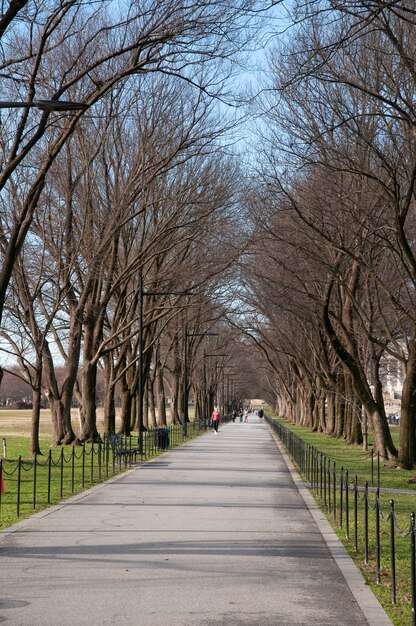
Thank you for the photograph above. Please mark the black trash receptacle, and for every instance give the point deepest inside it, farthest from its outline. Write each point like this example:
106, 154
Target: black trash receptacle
162, 438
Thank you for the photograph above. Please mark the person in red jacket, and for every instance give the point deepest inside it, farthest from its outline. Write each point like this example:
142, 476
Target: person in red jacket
215, 419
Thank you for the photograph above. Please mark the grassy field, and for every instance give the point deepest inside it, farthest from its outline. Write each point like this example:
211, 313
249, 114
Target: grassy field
60, 471
16, 422
358, 462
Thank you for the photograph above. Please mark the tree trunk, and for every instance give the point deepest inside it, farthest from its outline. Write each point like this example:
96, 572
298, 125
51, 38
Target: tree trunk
36, 403
160, 395
61, 402
330, 414
89, 382
356, 430
126, 400
152, 404
109, 407
89, 407
176, 402
407, 449
133, 417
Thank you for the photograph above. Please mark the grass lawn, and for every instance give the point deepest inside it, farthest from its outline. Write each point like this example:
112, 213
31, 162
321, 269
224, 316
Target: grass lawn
358, 462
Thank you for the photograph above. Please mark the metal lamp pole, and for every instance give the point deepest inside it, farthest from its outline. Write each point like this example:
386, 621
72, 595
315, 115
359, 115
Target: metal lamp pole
218, 367
204, 387
185, 393
185, 386
141, 387
142, 294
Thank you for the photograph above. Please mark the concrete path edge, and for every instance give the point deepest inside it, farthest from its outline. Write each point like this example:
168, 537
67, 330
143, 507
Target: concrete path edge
366, 600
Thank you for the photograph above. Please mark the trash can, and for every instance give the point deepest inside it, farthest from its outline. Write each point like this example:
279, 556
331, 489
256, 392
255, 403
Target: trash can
162, 438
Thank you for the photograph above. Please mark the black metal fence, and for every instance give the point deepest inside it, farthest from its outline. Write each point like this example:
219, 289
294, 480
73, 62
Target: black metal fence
38, 482
343, 498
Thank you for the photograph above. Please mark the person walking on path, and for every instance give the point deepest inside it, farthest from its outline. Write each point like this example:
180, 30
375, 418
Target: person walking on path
215, 419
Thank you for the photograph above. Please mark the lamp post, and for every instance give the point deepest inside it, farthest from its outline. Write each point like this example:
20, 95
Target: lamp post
142, 294
45, 105
185, 394
221, 367
231, 391
205, 403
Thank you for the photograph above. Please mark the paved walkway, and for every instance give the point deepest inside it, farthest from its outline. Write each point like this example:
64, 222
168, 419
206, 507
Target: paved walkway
215, 533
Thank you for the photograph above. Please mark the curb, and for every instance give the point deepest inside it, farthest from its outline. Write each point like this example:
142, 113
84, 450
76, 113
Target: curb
366, 600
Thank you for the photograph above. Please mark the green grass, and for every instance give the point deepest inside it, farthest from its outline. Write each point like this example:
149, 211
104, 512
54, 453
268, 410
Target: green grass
64, 481
358, 462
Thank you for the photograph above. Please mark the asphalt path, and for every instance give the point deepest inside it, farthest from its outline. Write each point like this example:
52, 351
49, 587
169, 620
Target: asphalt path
214, 533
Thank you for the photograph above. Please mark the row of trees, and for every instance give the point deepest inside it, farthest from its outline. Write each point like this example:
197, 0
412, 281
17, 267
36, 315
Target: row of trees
331, 274
137, 191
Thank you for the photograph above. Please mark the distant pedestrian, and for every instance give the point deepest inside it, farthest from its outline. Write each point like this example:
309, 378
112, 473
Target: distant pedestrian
215, 419
241, 416
246, 416
234, 415
260, 414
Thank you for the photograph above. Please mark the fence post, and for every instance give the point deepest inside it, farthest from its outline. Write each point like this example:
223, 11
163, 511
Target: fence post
19, 475
320, 474
92, 464
329, 486
392, 553
378, 574
356, 513
325, 502
34, 479
366, 523
372, 467
83, 466
106, 452
341, 497
347, 506
49, 475
378, 470
310, 465
99, 458
302, 452
314, 469
61, 488
413, 566
335, 492
73, 470
114, 459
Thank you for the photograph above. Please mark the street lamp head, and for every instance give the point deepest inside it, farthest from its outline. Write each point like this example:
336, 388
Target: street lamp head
168, 293
60, 105
45, 105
